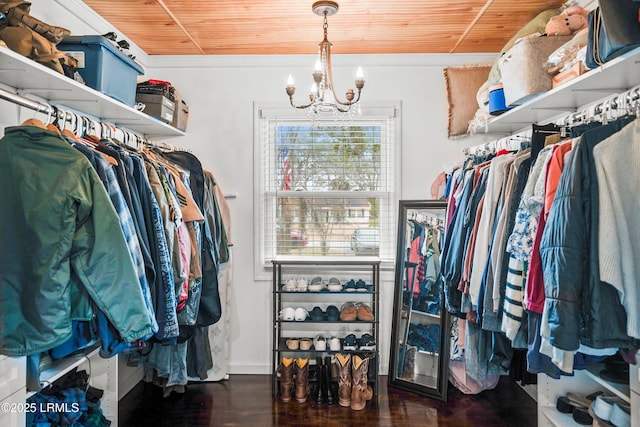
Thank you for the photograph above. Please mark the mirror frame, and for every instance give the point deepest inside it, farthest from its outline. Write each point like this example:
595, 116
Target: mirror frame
440, 389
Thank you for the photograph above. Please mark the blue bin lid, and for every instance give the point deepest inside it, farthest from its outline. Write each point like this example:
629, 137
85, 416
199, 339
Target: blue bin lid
104, 42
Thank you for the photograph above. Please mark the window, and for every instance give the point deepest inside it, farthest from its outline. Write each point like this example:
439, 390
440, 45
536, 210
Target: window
327, 188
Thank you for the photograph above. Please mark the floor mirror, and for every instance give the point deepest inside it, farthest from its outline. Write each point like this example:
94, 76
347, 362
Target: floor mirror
419, 340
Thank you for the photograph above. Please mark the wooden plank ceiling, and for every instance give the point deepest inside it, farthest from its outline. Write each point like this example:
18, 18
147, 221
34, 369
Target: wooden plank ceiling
229, 27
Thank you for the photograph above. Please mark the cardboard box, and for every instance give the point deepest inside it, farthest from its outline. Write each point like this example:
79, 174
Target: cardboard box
570, 73
157, 105
180, 115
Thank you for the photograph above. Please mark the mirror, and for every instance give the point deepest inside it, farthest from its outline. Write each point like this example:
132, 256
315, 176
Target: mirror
419, 339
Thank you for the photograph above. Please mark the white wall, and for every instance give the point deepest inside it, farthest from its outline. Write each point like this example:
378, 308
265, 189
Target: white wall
221, 91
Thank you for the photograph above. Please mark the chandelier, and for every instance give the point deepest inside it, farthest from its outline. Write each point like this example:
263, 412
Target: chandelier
322, 96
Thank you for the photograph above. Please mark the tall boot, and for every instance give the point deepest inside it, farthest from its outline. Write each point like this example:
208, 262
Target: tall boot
319, 394
326, 382
344, 379
360, 391
286, 378
302, 379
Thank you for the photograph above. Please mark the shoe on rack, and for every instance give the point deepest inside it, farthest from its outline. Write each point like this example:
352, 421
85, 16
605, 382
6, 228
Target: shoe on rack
364, 312
334, 344
333, 313
366, 343
301, 314
305, 344
293, 343
317, 315
287, 314
350, 286
348, 312
316, 285
290, 286
350, 343
603, 406
320, 343
361, 286
334, 285
301, 285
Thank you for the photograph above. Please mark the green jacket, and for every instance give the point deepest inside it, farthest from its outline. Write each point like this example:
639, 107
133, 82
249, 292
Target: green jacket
59, 230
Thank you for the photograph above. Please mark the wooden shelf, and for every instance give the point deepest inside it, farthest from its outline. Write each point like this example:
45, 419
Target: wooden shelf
31, 79
613, 77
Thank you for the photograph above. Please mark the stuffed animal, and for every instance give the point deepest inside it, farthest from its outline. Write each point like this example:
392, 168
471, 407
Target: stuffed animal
569, 22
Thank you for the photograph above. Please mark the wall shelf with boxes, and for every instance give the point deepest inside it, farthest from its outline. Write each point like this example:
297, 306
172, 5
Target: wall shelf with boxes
28, 78
335, 288
613, 77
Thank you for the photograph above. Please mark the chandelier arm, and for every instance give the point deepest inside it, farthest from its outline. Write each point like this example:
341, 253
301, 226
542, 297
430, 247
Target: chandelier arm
300, 107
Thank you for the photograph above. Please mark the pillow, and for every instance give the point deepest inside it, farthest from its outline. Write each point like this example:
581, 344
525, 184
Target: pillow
462, 86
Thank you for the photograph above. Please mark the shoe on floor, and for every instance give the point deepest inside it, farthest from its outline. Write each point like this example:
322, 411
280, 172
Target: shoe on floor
603, 406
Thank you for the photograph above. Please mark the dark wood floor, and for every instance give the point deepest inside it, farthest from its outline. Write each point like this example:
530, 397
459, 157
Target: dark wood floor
245, 400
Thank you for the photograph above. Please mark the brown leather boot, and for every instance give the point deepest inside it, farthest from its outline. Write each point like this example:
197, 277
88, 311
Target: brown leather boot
302, 379
360, 391
285, 373
344, 379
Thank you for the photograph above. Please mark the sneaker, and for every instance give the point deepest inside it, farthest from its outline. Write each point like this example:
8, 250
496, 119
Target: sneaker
333, 314
290, 286
287, 314
361, 286
334, 344
301, 285
350, 286
316, 285
350, 342
365, 313
348, 313
320, 343
366, 343
301, 314
317, 315
334, 285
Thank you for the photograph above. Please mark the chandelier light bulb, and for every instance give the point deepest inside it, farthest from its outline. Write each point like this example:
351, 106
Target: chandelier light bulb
290, 80
318, 65
359, 74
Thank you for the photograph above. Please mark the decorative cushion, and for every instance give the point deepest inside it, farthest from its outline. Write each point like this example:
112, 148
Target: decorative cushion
462, 86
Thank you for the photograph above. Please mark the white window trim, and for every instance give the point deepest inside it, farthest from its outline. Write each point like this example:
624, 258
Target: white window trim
262, 268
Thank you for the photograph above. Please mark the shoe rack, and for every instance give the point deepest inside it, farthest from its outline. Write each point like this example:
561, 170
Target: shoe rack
285, 330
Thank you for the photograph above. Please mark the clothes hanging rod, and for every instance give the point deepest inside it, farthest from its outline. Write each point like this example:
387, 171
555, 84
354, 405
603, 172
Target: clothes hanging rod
622, 100
25, 102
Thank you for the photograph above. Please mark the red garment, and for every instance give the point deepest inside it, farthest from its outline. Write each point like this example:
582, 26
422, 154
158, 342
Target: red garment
554, 171
534, 288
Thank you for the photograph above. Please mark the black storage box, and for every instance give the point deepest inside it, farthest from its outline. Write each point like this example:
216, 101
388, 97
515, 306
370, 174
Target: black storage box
157, 105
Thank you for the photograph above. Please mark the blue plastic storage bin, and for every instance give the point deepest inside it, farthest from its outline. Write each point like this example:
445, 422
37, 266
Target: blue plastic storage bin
104, 67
